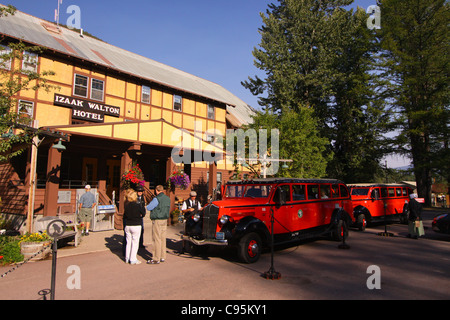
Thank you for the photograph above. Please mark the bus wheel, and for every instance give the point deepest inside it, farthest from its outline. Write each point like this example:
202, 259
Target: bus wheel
362, 222
249, 249
340, 231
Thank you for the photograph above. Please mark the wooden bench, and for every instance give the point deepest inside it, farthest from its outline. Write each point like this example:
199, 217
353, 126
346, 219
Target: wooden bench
69, 216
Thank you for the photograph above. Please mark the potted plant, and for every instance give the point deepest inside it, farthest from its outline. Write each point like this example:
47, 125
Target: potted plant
178, 179
36, 245
133, 177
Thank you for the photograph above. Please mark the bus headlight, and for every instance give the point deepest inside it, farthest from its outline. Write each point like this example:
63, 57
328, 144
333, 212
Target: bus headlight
196, 217
224, 219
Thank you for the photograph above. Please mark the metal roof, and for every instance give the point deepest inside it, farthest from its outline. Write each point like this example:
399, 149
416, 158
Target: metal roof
39, 32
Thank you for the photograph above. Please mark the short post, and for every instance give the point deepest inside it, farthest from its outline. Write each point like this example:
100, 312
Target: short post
54, 253
55, 229
271, 273
385, 233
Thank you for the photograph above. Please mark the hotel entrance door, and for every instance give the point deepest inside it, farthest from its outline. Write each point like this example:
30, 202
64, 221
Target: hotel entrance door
112, 178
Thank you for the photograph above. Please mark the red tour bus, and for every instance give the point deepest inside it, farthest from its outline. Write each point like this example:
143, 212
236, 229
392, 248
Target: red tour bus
371, 202
302, 208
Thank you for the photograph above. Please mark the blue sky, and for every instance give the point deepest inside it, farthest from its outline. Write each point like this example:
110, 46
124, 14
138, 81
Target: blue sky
212, 39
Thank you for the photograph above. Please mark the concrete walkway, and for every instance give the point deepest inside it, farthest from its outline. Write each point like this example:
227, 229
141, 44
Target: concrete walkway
111, 240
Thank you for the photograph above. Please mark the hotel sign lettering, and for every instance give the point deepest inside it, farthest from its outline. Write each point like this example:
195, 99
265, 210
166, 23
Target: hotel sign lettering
86, 110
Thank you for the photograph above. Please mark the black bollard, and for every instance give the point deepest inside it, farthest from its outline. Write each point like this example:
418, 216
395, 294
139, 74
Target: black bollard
271, 274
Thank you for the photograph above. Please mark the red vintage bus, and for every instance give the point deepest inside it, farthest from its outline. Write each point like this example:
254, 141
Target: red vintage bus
302, 208
376, 202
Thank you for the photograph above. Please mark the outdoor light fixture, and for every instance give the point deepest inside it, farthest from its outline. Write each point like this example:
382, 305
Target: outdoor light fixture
285, 166
59, 146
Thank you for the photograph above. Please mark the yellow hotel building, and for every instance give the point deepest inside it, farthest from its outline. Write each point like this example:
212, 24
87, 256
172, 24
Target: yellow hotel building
113, 108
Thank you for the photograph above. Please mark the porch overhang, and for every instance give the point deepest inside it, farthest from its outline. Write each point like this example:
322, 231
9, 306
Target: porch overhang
150, 132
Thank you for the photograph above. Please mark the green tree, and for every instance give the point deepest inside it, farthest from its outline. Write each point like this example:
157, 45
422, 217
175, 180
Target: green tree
15, 130
299, 140
415, 40
317, 54
354, 117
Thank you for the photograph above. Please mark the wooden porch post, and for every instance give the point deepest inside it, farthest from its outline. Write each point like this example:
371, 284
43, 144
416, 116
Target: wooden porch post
212, 178
52, 184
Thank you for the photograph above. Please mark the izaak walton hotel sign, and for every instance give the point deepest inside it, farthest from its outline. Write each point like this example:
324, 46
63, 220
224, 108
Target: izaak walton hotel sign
86, 110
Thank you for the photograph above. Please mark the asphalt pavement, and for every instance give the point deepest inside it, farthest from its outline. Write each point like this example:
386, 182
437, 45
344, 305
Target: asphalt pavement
409, 269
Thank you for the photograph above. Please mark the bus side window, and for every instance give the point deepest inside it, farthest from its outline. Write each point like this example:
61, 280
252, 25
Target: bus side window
344, 191
298, 192
325, 192
335, 189
375, 194
391, 192
384, 192
313, 191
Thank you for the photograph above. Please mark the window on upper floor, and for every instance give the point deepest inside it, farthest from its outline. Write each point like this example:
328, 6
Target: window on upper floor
29, 61
81, 86
5, 58
146, 94
177, 103
211, 112
97, 89
25, 109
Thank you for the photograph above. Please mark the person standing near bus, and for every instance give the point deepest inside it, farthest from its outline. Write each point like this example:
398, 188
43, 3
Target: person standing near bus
415, 224
160, 211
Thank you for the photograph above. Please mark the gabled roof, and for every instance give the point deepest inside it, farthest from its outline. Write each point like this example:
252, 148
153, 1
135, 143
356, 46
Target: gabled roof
43, 33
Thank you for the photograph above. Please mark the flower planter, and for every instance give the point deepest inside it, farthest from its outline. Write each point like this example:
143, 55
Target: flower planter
29, 249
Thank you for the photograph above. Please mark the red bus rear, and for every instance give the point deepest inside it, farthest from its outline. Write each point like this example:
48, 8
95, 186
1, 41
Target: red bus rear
377, 202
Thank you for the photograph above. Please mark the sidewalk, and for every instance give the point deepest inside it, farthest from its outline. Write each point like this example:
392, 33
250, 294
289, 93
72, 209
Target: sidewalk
111, 240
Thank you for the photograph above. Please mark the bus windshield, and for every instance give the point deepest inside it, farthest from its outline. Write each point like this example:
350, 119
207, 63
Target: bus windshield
257, 191
247, 191
234, 191
360, 192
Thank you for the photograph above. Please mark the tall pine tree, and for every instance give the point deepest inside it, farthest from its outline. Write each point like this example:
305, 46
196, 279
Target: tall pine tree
316, 54
415, 40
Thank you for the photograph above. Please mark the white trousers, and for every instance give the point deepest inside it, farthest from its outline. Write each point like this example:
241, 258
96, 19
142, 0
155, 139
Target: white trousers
132, 233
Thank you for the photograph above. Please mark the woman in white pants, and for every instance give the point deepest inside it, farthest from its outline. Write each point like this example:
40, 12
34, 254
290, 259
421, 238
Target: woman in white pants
133, 214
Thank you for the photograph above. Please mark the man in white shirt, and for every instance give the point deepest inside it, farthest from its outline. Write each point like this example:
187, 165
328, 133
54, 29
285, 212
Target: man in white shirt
191, 205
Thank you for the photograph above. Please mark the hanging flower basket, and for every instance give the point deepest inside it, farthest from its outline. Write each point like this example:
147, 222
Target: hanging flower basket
178, 179
133, 178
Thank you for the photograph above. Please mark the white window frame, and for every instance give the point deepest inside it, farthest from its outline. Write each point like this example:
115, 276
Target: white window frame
211, 112
146, 94
29, 108
4, 50
75, 85
175, 103
95, 90
30, 61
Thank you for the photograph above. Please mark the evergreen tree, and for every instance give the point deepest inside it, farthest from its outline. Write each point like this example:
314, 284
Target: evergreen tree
415, 40
318, 55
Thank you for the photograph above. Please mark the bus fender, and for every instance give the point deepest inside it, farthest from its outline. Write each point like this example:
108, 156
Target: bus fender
341, 214
251, 224
362, 210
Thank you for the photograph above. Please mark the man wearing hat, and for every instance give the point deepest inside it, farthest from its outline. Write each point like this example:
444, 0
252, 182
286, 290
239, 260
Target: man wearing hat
87, 204
191, 205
